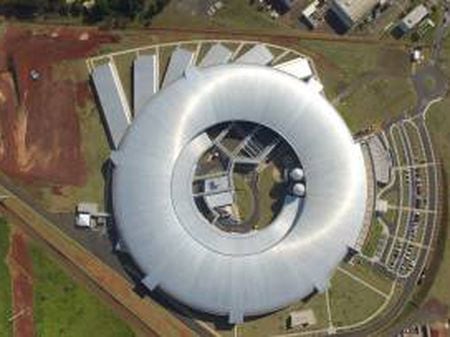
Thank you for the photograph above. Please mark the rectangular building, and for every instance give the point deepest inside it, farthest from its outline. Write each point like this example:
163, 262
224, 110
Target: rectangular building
115, 108
413, 18
350, 12
146, 80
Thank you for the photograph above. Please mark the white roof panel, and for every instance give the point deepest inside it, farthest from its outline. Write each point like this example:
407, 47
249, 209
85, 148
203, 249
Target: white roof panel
180, 61
146, 80
259, 54
113, 101
298, 67
217, 54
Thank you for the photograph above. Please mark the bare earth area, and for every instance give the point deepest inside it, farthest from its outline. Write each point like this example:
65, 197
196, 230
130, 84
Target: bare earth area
39, 127
20, 268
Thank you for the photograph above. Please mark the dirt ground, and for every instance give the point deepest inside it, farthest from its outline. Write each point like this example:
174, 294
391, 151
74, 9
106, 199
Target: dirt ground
22, 286
39, 127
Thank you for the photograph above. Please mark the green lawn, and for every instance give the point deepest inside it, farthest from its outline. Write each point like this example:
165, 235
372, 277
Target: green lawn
438, 122
267, 185
362, 269
5, 282
351, 301
236, 14
371, 243
372, 81
445, 55
392, 194
275, 323
244, 196
377, 101
62, 308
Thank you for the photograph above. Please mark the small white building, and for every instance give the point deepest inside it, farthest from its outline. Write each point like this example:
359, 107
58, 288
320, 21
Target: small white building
88, 216
218, 192
308, 13
413, 18
381, 206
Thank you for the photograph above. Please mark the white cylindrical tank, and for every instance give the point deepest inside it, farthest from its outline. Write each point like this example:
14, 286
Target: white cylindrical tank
296, 174
299, 190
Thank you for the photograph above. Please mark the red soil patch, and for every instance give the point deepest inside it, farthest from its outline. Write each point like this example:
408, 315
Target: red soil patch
41, 134
435, 308
22, 286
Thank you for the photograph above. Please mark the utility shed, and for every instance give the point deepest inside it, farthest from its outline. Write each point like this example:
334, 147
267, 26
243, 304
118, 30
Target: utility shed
303, 319
413, 18
351, 12
116, 111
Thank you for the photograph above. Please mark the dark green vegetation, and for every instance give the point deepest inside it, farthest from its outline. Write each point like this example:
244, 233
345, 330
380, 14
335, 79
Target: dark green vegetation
5, 282
64, 309
114, 12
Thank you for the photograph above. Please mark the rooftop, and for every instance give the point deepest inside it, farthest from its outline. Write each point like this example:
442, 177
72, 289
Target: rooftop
355, 9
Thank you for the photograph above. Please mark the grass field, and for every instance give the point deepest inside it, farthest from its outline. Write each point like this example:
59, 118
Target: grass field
377, 101
370, 245
64, 309
5, 282
267, 197
362, 269
276, 323
235, 14
372, 82
244, 196
438, 122
351, 301
445, 56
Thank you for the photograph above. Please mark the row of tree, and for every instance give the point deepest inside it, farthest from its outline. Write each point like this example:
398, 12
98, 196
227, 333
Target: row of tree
91, 10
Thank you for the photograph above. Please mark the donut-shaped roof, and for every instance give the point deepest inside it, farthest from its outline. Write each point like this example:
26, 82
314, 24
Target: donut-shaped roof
229, 273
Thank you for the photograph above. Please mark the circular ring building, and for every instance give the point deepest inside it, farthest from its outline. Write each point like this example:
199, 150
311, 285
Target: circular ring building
177, 214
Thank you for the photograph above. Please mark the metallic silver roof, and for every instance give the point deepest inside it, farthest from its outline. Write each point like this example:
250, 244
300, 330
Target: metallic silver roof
229, 273
115, 109
180, 60
258, 54
145, 79
217, 54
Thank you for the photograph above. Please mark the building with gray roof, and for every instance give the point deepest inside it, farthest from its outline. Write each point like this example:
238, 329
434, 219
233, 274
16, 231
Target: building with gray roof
413, 18
350, 12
